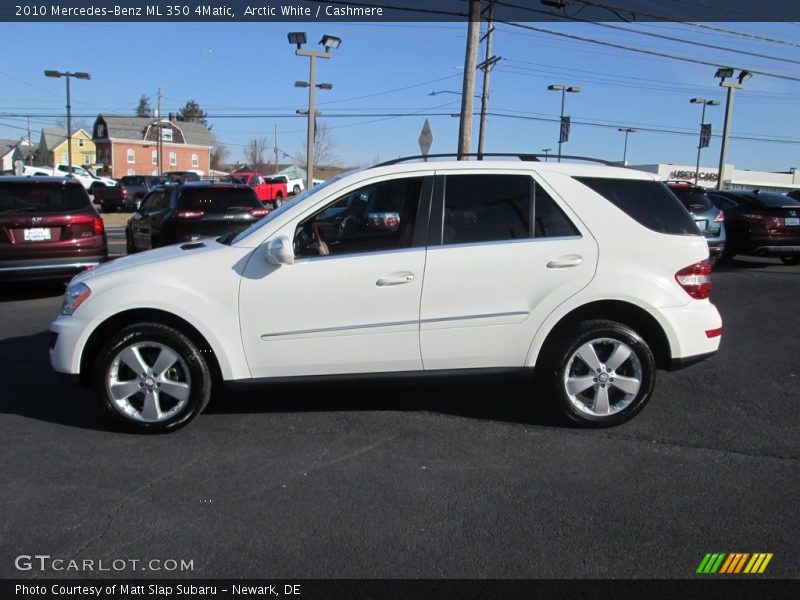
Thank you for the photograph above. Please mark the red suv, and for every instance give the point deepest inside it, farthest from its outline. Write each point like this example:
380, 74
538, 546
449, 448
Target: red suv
49, 229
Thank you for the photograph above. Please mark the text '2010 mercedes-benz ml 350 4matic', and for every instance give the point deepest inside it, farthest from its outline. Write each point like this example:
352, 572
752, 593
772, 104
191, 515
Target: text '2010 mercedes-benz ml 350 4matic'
593, 275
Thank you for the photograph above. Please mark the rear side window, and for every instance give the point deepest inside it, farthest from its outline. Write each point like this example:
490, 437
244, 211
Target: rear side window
771, 200
486, 208
648, 202
42, 197
219, 199
693, 199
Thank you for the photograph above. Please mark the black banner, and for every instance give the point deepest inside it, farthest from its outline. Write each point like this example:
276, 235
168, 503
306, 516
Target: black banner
705, 135
373, 11
396, 589
563, 135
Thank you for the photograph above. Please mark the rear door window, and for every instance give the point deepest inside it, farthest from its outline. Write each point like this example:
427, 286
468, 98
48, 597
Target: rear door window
487, 208
650, 203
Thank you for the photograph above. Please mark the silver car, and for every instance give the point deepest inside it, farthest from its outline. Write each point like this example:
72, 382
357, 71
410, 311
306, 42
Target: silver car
709, 219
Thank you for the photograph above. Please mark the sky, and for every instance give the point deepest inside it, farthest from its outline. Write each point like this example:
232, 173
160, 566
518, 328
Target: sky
243, 75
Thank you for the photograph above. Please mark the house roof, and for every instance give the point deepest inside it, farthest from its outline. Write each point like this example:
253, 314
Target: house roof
134, 128
53, 137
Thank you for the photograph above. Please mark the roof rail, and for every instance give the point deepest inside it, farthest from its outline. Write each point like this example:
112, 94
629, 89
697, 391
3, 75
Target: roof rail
523, 156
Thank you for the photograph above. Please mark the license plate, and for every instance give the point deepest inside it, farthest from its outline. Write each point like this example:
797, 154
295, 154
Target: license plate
792, 221
37, 234
702, 225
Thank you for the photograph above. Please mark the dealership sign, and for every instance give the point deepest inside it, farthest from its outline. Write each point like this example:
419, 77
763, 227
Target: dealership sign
702, 176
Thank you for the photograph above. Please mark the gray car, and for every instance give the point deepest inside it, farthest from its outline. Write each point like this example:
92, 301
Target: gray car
709, 219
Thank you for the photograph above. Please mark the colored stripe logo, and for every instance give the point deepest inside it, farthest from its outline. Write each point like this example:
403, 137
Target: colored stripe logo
734, 563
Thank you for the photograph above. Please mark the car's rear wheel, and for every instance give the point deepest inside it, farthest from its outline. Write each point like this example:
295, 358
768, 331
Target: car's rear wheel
151, 378
278, 200
601, 374
296, 190
791, 260
130, 248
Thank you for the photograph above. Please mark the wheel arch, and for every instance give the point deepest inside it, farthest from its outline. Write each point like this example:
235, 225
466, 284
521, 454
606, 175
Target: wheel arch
631, 315
144, 315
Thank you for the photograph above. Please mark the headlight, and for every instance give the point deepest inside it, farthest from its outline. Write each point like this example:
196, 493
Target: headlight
76, 295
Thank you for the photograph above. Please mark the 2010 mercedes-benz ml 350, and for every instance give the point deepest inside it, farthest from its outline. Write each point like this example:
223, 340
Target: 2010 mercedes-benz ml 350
594, 276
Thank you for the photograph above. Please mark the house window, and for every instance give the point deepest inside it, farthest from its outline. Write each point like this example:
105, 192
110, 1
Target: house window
80, 143
131, 172
131, 155
166, 135
101, 130
195, 160
173, 159
155, 157
87, 159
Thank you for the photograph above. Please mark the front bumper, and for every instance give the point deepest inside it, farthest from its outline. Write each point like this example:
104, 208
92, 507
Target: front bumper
68, 337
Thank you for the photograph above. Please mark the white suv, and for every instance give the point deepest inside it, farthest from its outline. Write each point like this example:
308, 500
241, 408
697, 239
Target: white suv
594, 275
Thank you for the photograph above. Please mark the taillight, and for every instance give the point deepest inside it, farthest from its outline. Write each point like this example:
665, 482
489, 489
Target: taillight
753, 218
712, 333
96, 222
123, 192
98, 228
720, 218
259, 212
696, 280
189, 214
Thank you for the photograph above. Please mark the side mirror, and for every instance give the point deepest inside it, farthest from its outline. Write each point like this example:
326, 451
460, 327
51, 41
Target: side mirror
280, 252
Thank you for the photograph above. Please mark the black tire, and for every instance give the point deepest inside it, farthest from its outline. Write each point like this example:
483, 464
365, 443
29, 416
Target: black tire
188, 374
278, 200
296, 190
129, 247
791, 260
563, 365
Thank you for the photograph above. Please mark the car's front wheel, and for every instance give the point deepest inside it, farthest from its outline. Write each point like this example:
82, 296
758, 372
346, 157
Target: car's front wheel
601, 374
152, 378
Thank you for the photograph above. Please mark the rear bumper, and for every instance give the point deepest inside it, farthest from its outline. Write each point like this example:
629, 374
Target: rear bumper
47, 268
692, 331
776, 250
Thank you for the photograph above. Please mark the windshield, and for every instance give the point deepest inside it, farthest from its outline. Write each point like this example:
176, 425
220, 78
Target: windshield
284, 207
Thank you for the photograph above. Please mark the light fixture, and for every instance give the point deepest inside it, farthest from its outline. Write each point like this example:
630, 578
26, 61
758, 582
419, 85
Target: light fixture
301, 84
325, 86
330, 41
724, 73
744, 76
297, 38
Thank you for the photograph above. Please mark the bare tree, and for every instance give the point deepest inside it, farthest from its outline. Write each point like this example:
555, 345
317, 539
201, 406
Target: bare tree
144, 109
219, 154
255, 152
324, 148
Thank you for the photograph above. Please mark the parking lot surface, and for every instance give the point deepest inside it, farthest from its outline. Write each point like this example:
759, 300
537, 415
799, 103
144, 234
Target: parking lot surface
444, 478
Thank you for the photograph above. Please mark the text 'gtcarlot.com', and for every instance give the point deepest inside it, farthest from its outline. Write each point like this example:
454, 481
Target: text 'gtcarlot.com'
45, 562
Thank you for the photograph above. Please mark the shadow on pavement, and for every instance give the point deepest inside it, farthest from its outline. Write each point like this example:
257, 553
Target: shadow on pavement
30, 290
33, 390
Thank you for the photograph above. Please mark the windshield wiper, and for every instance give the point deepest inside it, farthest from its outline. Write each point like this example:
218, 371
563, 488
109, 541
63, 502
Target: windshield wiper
227, 238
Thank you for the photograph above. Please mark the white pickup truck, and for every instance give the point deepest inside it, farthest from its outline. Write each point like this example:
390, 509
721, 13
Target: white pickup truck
88, 180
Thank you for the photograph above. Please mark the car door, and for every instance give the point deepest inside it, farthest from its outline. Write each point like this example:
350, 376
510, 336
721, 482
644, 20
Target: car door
139, 225
350, 301
503, 254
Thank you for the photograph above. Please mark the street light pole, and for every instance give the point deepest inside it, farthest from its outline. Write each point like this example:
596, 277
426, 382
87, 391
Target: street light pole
68, 75
723, 74
700, 146
546, 152
573, 89
329, 42
627, 130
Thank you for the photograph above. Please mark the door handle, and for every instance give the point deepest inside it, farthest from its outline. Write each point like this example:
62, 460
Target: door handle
562, 262
395, 279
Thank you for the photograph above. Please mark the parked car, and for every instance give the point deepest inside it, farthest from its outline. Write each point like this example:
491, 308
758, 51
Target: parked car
270, 190
128, 194
761, 224
48, 229
89, 181
709, 219
594, 276
186, 212
293, 186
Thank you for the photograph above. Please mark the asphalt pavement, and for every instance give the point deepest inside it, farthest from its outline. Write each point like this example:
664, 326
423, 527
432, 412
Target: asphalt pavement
433, 479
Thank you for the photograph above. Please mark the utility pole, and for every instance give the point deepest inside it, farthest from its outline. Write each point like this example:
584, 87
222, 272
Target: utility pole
30, 144
486, 66
276, 147
159, 146
468, 88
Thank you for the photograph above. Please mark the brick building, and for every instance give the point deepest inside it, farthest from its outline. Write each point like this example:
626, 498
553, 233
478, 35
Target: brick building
130, 145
